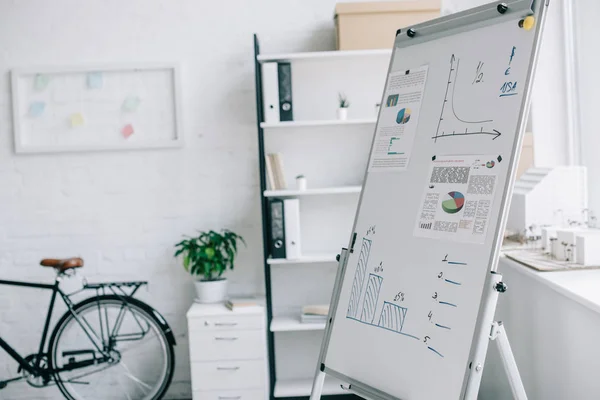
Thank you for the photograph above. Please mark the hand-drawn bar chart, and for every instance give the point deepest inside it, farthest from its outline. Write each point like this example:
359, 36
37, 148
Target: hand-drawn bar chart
371, 297
359, 277
391, 317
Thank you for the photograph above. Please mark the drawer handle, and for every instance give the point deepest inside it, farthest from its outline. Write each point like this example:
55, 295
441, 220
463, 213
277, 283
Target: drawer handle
225, 323
226, 338
230, 397
228, 368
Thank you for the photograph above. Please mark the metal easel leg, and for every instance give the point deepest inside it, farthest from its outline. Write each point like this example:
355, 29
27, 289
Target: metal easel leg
498, 335
319, 380
317, 386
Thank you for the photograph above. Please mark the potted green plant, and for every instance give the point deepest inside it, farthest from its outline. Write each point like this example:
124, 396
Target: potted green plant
342, 111
207, 257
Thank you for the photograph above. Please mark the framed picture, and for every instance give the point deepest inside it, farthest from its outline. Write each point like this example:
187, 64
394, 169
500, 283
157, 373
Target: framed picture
96, 108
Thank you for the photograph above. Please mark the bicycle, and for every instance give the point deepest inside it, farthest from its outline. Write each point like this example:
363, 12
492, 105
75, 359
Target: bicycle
110, 341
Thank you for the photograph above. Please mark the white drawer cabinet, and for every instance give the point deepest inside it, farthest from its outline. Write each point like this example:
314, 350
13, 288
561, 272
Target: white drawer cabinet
227, 345
228, 353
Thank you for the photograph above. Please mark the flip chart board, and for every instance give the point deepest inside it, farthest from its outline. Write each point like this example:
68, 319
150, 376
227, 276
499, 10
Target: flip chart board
407, 308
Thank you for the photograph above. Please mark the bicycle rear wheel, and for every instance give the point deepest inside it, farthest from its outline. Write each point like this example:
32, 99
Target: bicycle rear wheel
111, 349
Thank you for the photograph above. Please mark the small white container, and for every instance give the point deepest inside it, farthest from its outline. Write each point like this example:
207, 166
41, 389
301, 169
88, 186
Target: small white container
208, 292
301, 183
342, 114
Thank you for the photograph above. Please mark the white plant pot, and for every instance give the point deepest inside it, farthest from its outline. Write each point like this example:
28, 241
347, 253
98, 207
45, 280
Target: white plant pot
211, 291
301, 184
342, 114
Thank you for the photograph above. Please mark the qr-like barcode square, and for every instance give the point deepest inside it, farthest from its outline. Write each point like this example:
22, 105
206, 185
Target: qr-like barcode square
450, 175
481, 184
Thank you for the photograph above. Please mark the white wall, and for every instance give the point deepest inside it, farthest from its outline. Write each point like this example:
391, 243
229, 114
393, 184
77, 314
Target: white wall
123, 211
588, 61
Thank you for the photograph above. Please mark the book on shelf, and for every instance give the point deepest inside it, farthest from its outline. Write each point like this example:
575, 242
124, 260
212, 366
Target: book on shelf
316, 309
314, 313
313, 319
239, 303
269, 172
275, 175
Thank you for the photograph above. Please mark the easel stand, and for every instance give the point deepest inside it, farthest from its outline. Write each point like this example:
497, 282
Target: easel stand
497, 333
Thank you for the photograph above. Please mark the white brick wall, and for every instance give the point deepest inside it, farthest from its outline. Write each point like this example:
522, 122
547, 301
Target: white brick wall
122, 211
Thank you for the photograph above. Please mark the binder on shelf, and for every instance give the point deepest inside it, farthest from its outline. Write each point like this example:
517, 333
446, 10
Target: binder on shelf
270, 83
277, 245
285, 91
291, 212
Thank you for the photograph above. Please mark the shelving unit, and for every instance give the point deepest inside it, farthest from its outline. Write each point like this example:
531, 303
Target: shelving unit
332, 154
293, 324
312, 192
316, 123
306, 259
323, 55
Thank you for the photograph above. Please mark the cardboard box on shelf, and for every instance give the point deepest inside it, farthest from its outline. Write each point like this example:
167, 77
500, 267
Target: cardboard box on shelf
373, 25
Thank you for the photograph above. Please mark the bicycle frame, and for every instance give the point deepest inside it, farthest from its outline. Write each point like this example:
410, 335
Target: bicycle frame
12, 352
46, 373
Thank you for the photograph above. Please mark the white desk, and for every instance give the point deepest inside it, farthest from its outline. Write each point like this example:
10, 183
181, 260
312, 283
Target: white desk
553, 324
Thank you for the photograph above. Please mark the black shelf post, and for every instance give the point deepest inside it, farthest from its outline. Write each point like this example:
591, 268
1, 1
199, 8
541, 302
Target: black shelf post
265, 215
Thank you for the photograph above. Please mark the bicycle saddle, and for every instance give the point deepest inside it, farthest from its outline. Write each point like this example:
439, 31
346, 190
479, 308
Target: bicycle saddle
62, 265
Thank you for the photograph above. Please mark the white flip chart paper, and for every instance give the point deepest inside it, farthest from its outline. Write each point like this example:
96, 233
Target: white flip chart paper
398, 120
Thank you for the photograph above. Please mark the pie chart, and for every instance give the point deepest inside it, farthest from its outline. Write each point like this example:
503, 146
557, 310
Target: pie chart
403, 116
453, 202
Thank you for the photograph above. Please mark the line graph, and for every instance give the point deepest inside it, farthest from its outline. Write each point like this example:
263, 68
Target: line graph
452, 122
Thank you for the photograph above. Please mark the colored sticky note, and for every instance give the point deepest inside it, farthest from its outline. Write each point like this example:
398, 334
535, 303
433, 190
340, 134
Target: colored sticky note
131, 103
77, 120
36, 109
95, 80
40, 82
127, 131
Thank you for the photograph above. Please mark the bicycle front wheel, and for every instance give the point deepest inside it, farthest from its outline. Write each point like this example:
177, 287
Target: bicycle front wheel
109, 348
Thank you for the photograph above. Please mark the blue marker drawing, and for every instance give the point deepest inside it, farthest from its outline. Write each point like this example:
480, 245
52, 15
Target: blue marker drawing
442, 326
452, 282
371, 297
512, 54
457, 263
508, 94
359, 275
392, 317
435, 351
448, 304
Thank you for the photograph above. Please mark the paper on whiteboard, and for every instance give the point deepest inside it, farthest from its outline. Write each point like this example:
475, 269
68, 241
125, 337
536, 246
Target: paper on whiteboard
458, 197
398, 120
